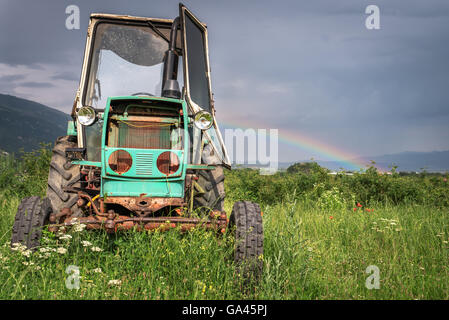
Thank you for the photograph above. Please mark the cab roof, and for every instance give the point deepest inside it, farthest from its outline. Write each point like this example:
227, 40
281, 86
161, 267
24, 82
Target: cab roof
131, 18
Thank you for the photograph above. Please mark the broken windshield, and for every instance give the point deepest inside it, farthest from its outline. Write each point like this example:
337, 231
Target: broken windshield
126, 60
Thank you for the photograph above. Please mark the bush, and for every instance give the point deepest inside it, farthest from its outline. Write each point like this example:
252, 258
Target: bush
312, 183
26, 175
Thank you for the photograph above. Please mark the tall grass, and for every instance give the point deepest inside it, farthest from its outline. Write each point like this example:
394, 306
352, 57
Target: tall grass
314, 249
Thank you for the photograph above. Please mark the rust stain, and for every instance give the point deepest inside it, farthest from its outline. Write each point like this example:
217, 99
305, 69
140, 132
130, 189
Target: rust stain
145, 204
114, 222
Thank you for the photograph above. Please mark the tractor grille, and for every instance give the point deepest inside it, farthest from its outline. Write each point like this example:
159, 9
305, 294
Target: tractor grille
144, 164
143, 135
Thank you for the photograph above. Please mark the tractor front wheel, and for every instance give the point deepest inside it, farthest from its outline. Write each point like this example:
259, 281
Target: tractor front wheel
245, 223
31, 216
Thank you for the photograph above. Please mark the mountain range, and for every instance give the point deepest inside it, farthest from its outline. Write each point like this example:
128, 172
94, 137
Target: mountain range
435, 161
409, 161
24, 124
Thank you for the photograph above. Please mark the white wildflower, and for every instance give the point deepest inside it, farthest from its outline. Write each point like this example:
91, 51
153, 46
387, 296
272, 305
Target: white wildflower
27, 253
97, 270
18, 247
96, 249
45, 255
86, 243
65, 237
61, 250
26, 263
78, 227
15, 245
114, 282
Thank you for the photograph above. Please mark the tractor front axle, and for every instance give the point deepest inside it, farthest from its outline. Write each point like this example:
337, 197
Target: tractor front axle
114, 222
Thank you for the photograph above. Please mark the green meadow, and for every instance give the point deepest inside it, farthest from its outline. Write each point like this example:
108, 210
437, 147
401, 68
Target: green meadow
322, 232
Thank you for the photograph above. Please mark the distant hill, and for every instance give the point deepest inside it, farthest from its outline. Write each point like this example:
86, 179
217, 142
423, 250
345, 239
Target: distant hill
24, 124
410, 161
414, 161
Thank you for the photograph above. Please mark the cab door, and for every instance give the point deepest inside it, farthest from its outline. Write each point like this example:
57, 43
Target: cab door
197, 81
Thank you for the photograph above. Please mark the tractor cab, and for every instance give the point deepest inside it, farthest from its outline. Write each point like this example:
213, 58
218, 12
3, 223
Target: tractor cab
148, 59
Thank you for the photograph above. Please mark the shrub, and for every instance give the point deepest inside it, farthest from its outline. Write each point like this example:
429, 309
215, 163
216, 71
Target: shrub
316, 185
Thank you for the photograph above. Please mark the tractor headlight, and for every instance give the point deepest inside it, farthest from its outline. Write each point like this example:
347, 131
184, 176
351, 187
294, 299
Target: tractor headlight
203, 120
86, 116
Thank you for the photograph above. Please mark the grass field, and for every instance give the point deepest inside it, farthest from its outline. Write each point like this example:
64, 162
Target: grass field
311, 252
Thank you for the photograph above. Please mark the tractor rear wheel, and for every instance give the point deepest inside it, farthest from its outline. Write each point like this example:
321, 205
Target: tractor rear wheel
31, 216
62, 174
212, 183
245, 223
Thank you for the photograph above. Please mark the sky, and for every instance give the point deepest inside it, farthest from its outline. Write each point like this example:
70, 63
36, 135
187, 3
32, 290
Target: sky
311, 69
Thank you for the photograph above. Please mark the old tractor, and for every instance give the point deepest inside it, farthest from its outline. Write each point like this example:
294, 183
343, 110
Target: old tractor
143, 149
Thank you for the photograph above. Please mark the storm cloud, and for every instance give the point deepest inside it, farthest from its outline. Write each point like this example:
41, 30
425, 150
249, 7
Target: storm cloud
309, 67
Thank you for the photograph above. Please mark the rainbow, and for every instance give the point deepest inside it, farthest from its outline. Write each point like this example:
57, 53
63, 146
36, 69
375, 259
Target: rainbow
297, 139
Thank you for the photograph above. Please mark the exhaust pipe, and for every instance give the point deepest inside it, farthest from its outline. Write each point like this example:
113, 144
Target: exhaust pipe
170, 85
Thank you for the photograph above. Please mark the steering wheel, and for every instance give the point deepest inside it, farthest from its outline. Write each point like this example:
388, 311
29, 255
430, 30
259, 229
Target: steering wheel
143, 94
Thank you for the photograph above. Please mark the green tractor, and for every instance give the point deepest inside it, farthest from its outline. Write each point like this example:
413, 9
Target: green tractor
144, 149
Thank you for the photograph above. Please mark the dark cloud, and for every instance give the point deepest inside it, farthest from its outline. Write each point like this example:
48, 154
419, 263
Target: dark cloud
32, 84
11, 78
66, 76
309, 66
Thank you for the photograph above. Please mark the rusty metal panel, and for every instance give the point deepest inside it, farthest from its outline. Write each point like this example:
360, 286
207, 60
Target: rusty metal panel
145, 204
